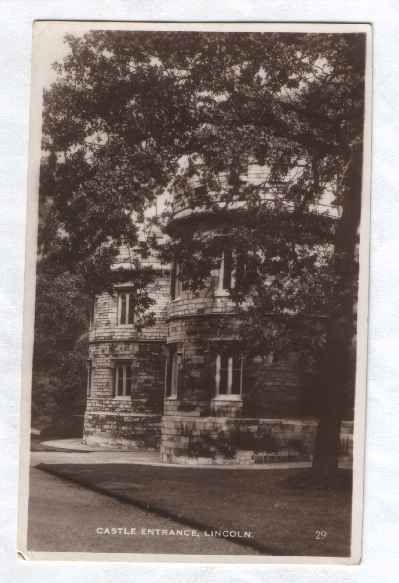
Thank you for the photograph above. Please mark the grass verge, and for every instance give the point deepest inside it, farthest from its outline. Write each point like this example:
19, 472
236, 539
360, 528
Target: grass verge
286, 520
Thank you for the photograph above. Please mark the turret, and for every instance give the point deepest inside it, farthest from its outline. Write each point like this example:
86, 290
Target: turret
217, 398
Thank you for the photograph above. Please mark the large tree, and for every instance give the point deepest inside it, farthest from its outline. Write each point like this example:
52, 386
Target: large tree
135, 113
60, 352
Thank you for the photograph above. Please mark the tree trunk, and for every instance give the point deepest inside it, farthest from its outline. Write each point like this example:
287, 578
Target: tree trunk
337, 367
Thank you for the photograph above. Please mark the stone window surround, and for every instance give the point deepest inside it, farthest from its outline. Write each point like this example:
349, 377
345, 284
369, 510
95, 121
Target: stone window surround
126, 363
92, 312
89, 368
171, 391
228, 395
226, 276
225, 280
172, 369
128, 311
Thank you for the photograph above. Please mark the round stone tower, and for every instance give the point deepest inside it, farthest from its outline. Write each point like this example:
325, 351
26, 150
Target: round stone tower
221, 406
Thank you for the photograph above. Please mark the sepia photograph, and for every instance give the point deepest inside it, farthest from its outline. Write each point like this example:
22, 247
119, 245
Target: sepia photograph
196, 292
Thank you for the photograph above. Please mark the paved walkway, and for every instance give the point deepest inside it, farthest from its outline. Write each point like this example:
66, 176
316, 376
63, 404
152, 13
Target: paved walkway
76, 444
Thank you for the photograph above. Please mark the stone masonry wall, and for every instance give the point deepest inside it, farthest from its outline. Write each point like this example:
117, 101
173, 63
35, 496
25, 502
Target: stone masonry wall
148, 378
148, 365
105, 326
121, 430
270, 389
273, 389
205, 305
131, 421
222, 440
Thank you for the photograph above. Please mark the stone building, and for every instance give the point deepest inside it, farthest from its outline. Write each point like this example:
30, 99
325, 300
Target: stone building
125, 367
182, 386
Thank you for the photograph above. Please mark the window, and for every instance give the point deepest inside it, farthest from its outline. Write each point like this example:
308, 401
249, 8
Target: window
226, 270
125, 308
172, 372
240, 267
123, 380
92, 312
176, 287
89, 378
232, 269
229, 374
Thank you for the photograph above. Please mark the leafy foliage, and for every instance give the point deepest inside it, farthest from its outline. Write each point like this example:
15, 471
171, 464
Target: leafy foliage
60, 350
135, 114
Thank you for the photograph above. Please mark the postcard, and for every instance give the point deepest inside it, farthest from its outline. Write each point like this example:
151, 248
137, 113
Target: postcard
195, 327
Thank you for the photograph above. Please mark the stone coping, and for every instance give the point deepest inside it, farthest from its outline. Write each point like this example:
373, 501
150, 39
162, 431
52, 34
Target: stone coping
345, 423
122, 413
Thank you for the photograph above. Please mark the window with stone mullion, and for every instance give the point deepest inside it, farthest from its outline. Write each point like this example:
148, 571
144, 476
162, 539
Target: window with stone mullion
232, 269
123, 380
228, 374
227, 268
126, 308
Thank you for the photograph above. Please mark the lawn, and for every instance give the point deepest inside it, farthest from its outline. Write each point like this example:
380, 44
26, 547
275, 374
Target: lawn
285, 519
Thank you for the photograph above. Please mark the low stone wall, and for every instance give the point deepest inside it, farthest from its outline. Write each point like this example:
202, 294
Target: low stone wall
122, 430
226, 408
222, 440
